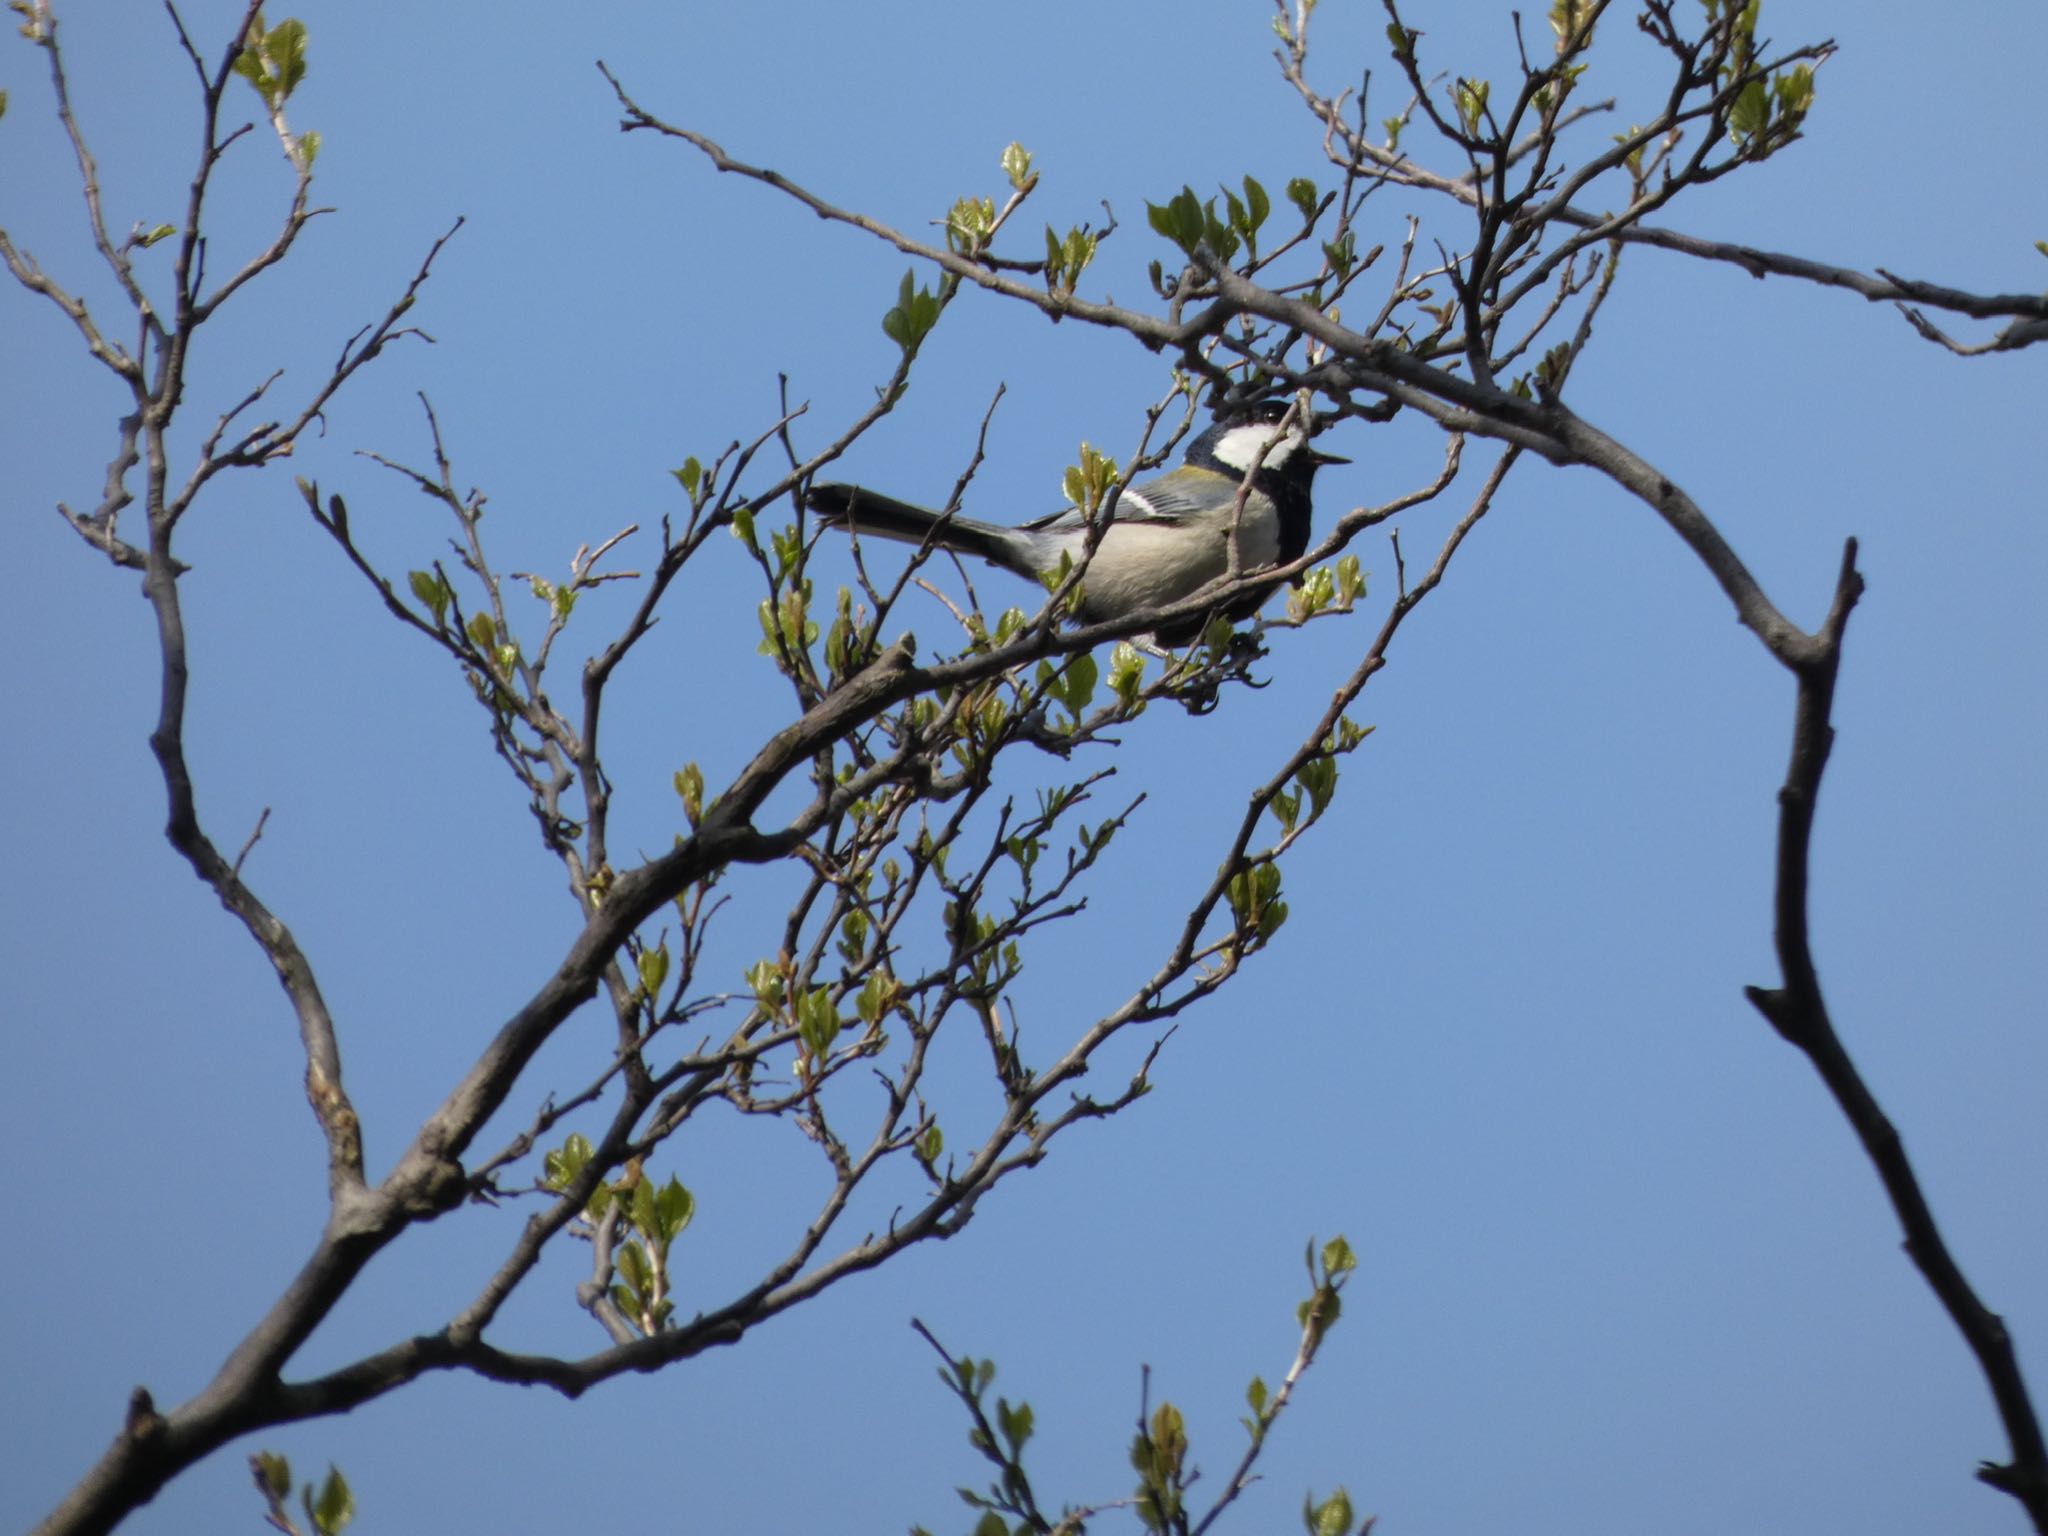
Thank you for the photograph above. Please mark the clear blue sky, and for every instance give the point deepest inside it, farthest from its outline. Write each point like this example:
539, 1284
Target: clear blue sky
1623, 1269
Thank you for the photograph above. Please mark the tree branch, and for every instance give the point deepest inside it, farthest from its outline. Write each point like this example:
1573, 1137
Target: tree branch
1798, 1011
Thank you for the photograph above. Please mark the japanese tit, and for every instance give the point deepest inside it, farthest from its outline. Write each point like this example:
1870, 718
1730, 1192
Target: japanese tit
1167, 538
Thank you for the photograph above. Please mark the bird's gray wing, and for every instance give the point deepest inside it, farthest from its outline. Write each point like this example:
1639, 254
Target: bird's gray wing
1174, 497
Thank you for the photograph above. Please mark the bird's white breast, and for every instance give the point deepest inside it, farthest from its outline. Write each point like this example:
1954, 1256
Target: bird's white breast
1150, 564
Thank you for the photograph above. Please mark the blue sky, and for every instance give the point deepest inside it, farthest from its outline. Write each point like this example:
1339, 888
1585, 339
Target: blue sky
1622, 1267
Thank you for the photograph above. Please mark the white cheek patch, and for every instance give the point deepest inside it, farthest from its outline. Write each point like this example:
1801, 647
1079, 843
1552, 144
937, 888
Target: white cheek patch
1240, 447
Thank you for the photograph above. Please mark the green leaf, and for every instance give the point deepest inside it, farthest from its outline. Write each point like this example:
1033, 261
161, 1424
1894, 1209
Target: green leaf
764, 980
336, 1506
646, 1218
1087, 483
274, 62
431, 590
564, 1163
1350, 580
1077, 684
690, 476
1302, 193
1257, 205
1287, 809
991, 1524
3, 103
483, 632
1254, 900
1566, 19
1318, 780
1470, 97
1751, 112
1338, 1259
309, 147
931, 1143
653, 968
674, 1207
1255, 1395
1794, 93
1017, 165
151, 237
1126, 672
1015, 1424
876, 994
969, 225
1332, 1517
690, 785
273, 1473
913, 317
817, 1022
631, 1262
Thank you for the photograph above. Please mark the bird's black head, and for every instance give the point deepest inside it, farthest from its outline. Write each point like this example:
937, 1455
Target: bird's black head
1255, 436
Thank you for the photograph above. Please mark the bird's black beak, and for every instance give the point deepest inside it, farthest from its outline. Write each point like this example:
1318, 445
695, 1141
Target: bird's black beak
1317, 456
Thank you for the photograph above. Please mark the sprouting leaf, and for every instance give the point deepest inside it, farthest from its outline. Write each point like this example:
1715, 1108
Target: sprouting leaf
1126, 672
565, 1162
1254, 896
911, 320
1567, 18
1751, 112
1257, 204
634, 1270
970, 223
1332, 1517
1017, 165
1302, 193
1189, 222
876, 995
653, 967
764, 980
1087, 483
690, 476
430, 589
1350, 580
273, 61
690, 785
334, 1507
273, 1472
1794, 92
1318, 780
1470, 97
1076, 685
817, 1022
674, 1208
1015, 1424
309, 147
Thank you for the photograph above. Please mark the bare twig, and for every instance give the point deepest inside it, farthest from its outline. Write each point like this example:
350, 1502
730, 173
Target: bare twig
1799, 1012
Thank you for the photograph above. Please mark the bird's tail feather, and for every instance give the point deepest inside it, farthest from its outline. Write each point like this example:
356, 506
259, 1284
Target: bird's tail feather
875, 516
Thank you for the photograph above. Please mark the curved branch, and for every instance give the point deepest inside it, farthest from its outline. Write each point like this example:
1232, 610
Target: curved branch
1797, 1010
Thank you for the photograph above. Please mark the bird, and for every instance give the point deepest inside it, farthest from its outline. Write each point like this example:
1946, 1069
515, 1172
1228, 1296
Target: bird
1167, 537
